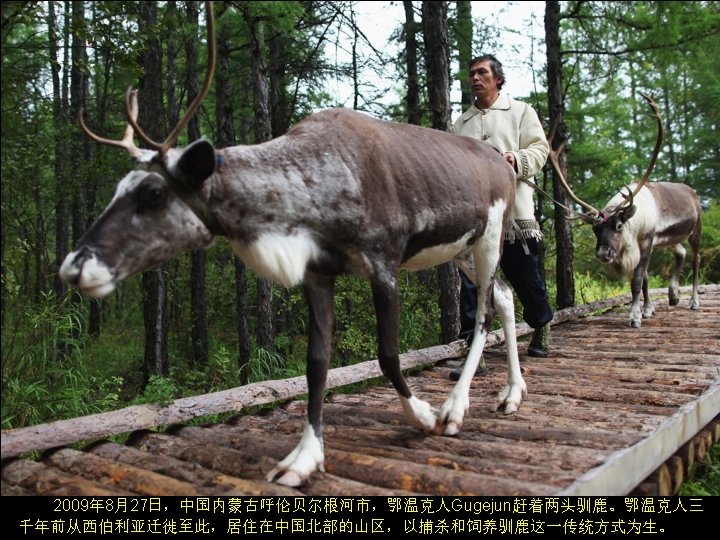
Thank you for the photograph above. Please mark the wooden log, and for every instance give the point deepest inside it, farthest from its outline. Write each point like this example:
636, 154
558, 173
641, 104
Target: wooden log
539, 473
207, 452
398, 475
574, 356
43, 480
471, 446
662, 476
561, 417
193, 471
418, 477
251, 445
714, 428
687, 454
658, 484
620, 395
646, 489
16, 442
647, 378
703, 442
125, 477
676, 468
11, 490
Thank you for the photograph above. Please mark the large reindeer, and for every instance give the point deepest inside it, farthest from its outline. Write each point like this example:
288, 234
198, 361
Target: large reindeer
630, 226
340, 193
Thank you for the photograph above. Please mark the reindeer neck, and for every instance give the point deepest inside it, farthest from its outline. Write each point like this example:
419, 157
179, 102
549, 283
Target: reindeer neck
273, 185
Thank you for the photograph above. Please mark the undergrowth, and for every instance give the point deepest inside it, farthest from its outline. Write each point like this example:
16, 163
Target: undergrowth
704, 478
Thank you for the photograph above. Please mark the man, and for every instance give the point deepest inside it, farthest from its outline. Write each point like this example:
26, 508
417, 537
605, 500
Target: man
513, 128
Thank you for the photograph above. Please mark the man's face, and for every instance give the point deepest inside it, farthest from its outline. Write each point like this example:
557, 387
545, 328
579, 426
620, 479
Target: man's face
482, 80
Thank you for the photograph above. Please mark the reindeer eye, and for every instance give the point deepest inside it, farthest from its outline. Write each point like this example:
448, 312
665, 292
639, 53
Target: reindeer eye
618, 225
152, 197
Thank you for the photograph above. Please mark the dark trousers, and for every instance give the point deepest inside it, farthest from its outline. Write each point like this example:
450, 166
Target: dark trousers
522, 271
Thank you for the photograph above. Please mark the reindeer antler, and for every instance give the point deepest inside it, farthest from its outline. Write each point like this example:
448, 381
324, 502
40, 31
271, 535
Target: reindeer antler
553, 155
127, 140
595, 214
131, 107
658, 144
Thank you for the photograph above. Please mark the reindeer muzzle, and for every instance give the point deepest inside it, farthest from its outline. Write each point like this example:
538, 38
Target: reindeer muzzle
83, 269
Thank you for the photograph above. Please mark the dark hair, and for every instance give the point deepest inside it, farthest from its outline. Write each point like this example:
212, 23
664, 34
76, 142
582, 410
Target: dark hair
495, 65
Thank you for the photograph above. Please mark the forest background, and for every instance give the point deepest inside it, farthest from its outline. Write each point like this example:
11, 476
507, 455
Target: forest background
202, 322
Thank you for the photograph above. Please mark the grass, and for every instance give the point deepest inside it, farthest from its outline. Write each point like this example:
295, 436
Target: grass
704, 478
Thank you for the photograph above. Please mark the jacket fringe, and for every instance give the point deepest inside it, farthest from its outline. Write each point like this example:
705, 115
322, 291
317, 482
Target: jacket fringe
525, 229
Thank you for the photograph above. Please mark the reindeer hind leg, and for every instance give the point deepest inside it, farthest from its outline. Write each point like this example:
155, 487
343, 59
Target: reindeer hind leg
515, 390
384, 287
674, 288
694, 241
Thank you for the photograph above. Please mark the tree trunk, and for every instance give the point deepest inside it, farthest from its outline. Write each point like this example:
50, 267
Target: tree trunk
414, 114
78, 144
280, 123
564, 277
464, 39
198, 306
226, 137
279, 107
154, 282
61, 223
88, 210
437, 61
263, 132
173, 112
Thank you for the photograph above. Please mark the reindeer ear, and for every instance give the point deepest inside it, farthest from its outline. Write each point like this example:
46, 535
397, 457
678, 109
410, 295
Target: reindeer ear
196, 164
627, 213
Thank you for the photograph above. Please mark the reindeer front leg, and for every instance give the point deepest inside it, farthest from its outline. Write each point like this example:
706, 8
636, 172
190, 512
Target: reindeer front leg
387, 313
308, 456
510, 397
638, 284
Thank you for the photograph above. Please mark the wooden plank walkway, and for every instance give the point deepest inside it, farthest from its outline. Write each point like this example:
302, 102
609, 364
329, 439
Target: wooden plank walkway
611, 407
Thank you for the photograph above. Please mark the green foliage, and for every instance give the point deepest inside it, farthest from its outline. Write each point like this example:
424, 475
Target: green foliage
44, 376
591, 289
710, 250
265, 364
704, 478
160, 390
625, 48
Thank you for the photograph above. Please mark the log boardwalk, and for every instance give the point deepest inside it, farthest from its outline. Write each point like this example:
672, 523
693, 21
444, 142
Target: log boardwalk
614, 410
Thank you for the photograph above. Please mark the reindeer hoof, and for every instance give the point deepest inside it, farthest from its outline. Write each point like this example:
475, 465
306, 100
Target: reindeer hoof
451, 429
506, 407
510, 408
290, 479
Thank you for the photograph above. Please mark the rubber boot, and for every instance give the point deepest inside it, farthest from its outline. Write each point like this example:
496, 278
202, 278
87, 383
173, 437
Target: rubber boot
540, 343
479, 372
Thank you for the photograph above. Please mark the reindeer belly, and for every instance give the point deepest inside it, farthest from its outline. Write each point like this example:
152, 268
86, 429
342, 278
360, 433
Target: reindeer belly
435, 255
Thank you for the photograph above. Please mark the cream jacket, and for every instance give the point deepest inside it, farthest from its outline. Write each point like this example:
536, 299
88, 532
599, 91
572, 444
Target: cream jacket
512, 126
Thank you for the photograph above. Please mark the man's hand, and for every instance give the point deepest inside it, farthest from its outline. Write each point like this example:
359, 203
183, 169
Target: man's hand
510, 158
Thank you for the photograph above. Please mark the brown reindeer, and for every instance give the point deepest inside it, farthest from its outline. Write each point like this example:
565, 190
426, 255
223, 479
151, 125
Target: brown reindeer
629, 227
340, 193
